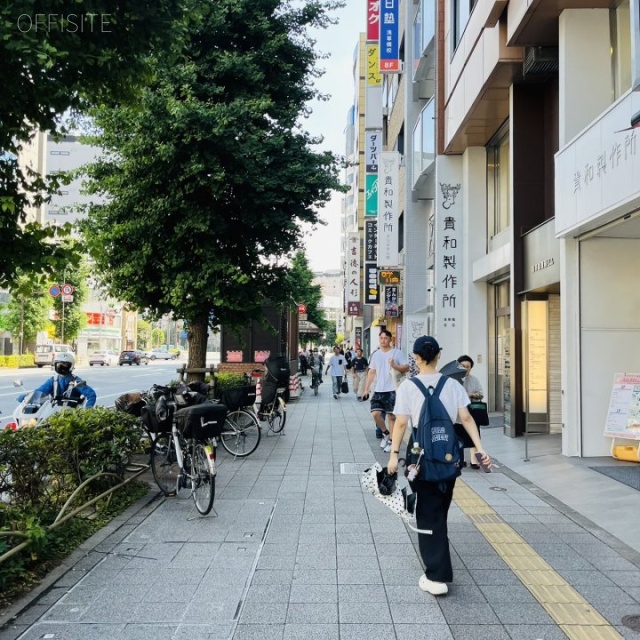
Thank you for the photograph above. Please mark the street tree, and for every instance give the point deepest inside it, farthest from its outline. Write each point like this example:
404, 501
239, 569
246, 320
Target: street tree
209, 179
58, 56
157, 338
143, 338
70, 318
27, 311
305, 291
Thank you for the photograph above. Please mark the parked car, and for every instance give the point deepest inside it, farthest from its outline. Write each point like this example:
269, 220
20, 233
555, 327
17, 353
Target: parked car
45, 353
133, 356
103, 357
158, 354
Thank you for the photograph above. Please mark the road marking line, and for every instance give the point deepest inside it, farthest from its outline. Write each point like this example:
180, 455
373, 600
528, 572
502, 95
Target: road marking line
574, 615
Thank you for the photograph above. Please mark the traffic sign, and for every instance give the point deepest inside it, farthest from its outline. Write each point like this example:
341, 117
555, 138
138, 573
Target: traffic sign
302, 308
67, 289
67, 297
54, 291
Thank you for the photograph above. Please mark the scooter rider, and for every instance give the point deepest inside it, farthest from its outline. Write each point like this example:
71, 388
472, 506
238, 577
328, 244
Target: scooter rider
55, 386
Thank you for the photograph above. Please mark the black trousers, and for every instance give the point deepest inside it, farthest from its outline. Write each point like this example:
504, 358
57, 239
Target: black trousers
432, 510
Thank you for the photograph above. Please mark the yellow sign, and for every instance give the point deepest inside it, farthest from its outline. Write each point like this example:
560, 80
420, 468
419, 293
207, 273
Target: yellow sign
389, 277
374, 77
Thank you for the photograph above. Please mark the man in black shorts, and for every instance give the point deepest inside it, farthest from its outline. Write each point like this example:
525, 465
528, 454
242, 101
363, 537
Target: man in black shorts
381, 382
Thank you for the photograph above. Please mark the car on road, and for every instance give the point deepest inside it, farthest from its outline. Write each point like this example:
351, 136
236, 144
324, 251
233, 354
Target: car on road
133, 356
158, 354
103, 357
45, 353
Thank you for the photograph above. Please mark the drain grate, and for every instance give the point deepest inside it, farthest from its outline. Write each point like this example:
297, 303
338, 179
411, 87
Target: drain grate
354, 468
632, 622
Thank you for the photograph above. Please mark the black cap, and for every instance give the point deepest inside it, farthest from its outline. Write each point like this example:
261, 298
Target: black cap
423, 341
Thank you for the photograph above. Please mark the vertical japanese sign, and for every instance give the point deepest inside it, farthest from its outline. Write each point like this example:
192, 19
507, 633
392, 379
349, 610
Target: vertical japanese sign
372, 150
373, 20
374, 77
353, 274
448, 252
388, 209
391, 301
372, 288
371, 195
390, 36
371, 240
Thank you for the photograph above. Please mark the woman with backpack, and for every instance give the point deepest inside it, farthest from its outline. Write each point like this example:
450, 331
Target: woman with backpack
433, 496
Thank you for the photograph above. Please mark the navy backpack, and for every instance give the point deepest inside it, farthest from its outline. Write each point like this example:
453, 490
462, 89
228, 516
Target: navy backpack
435, 433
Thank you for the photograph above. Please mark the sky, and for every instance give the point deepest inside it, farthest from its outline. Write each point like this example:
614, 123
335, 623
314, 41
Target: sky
329, 119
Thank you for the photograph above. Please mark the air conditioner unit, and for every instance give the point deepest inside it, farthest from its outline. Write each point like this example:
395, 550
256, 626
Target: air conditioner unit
540, 61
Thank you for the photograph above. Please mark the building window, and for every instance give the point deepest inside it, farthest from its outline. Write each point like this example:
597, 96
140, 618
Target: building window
620, 22
461, 10
498, 182
401, 232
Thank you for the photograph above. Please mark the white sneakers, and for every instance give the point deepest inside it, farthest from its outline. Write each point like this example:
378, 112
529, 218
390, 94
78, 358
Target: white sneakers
434, 588
387, 449
385, 442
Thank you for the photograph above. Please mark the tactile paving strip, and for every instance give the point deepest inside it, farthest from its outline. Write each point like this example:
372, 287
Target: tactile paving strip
576, 617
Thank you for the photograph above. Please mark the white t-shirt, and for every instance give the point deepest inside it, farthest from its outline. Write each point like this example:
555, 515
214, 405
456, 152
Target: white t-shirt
409, 397
336, 365
380, 364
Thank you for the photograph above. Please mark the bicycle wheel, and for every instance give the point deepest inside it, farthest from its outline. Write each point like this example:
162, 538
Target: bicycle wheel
277, 418
203, 482
164, 463
242, 433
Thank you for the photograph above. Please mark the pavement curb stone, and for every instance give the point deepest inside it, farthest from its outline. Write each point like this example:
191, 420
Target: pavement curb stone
72, 560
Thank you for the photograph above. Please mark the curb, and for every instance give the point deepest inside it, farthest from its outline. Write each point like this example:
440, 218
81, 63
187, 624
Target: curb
68, 563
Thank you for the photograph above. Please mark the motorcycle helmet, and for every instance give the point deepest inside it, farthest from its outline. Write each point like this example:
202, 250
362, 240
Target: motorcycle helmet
63, 363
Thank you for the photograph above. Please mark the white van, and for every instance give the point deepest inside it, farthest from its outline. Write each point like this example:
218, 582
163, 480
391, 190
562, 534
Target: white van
45, 353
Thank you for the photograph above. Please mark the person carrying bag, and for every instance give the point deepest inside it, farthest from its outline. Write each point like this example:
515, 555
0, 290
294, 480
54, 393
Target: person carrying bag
434, 489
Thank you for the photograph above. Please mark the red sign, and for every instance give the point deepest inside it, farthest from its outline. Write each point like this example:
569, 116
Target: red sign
302, 308
373, 20
353, 308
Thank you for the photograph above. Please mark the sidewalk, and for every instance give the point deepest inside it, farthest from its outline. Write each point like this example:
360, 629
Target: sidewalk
297, 550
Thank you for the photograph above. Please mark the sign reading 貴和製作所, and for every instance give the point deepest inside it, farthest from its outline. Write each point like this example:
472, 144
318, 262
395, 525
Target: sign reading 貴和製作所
390, 36
388, 209
623, 416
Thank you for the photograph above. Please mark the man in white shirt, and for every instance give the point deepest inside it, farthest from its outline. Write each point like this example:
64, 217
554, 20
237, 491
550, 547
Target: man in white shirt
381, 381
337, 364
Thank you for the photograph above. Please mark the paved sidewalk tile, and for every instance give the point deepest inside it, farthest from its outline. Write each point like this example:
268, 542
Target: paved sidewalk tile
297, 551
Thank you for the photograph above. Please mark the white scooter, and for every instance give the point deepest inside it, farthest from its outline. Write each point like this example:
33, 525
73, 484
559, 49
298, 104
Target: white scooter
37, 407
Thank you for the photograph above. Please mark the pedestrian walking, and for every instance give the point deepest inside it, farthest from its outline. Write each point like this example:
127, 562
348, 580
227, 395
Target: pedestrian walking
359, 366
474, 390
380, 379
337, 365
433, 498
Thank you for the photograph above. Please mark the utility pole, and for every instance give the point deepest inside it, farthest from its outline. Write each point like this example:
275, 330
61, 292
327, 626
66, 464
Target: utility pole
21, 323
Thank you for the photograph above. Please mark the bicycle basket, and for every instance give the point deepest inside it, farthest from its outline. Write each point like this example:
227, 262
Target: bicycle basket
238, 397
201, 421
157, 419
130, 403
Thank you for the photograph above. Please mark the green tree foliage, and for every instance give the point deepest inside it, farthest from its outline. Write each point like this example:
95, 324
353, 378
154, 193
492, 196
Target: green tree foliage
70, 318
304, 291
210, 177
157, 338
27, 311
63, 55
330, 336
144, 334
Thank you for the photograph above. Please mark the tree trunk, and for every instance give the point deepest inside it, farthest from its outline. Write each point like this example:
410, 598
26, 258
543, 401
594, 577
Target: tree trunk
198, 334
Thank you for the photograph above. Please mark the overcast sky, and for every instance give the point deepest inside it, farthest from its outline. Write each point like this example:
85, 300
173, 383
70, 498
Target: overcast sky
329, 120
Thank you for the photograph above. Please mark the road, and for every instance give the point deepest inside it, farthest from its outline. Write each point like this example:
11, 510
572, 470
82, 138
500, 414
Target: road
108, 382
